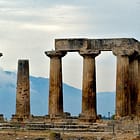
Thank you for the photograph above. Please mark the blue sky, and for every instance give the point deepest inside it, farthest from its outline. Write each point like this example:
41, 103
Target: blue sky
29, 27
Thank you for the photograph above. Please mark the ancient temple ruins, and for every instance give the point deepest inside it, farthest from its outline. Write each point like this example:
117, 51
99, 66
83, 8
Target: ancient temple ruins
127, 51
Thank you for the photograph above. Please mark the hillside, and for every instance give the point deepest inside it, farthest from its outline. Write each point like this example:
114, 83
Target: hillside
39, 97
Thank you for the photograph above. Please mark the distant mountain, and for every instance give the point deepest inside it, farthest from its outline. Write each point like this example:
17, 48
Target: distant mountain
39, 97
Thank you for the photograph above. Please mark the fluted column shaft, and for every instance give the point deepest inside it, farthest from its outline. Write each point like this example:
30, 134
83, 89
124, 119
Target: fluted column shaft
122, 87
123, 103
23, 90
133, 81
89, 85
55, 87
138, 96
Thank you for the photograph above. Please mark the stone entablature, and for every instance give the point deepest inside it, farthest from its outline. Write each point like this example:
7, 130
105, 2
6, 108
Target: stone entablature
95, 44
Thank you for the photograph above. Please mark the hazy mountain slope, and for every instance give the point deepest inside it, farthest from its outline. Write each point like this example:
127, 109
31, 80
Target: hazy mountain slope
39, 97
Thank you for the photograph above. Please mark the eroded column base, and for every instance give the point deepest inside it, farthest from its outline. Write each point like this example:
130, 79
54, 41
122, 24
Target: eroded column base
1, 118
16, 118
84, 118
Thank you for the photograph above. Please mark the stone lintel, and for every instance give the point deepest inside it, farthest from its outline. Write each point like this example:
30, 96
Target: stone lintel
71, 44
1, 54
89, 53
95, 44
109, 44
55, 53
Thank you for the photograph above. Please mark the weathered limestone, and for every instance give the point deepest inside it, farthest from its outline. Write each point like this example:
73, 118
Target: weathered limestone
138, 96
55, 136
71, 44
55, 87
127, 86
23, 90
133, 82
94, 44
1, 115
1, 118
122, 82
89, 85
110, 44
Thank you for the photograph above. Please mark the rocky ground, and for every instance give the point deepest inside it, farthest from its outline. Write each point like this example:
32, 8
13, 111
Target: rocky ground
47, 135
124, 129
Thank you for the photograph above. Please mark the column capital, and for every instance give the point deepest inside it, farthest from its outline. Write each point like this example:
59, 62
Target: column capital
89, 53
58, 54
1, 54
138, 55
135, 55
123, 51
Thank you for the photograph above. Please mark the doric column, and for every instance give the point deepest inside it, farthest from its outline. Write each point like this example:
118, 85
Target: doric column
55, 87
23, 90
138, 96
89, 85
1, 117
133, 81
122, 82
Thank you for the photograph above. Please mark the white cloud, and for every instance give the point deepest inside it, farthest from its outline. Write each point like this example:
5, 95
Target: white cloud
29, 27
106, 72
72, 69
41, 27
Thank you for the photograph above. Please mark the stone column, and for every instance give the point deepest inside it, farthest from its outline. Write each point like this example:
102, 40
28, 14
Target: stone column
23, 90
122, 82
138, 96
56, 85
133, 81
89, 85
1, 115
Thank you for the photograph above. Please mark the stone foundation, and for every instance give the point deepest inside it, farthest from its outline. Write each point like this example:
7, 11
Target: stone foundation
1, 118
